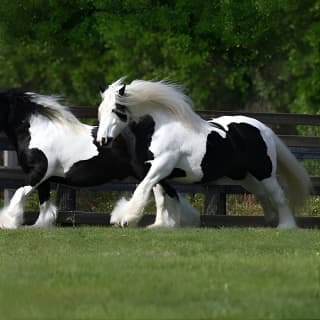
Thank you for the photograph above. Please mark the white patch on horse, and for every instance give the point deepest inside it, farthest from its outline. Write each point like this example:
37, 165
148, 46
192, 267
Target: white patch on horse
61, 143
190, 152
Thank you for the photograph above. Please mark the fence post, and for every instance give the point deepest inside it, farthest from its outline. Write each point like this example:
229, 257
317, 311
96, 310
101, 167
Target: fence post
10, 160
214, 202
66, 198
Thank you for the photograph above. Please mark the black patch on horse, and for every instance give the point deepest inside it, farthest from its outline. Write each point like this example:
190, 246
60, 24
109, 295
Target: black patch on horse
110, 164
21, 106
242, 151
143, 132
122, 116
177, 173
34, 163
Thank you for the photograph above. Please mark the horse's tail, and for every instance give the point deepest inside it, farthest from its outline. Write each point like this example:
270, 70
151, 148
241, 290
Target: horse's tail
292, 175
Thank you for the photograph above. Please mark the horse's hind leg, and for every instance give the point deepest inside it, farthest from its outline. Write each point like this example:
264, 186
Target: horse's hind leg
278, 201
173, 210
179, 208
255, 186
12, 216
48, 211
272, 198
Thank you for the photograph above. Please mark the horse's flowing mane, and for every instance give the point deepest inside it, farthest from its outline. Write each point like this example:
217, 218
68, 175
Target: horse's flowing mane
54, 110
161, 96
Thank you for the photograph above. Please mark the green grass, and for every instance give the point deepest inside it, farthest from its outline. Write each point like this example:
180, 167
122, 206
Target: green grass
109, 273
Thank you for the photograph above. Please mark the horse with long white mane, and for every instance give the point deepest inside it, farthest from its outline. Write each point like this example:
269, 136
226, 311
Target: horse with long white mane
187, 148
54, 146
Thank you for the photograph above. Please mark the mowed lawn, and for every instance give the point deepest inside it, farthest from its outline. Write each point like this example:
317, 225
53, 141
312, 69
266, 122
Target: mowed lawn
110, 273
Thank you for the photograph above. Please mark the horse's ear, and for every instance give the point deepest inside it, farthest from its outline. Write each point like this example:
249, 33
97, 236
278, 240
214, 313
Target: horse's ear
121, 91
102, 88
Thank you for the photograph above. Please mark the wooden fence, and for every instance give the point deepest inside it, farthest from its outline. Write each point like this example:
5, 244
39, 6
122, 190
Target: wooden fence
304, 147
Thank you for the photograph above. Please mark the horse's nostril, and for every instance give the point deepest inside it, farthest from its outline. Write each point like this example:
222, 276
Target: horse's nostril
103, 140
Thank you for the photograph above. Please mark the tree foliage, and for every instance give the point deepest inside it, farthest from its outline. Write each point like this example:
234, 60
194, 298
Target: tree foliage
260, 54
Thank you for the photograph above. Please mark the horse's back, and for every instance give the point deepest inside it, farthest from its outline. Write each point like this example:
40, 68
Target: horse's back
226, 120
237, 146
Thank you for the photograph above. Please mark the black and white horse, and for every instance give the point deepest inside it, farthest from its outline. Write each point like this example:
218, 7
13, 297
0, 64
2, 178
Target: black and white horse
185, 147
53, 145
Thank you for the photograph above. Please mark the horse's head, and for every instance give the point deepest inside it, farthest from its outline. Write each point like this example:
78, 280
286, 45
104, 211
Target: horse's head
113, 116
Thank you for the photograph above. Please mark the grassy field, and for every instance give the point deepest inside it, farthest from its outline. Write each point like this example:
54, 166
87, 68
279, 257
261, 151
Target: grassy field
109, 273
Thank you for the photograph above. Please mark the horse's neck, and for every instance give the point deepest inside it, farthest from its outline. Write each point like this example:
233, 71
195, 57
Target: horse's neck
129, 139
16, 135
162, 117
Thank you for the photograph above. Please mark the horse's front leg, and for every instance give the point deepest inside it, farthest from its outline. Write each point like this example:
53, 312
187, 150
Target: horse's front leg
168, 213
11, 216
48, 211
129, 212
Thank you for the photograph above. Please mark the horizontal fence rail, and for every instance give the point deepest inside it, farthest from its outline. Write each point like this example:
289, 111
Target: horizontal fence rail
266, 117
12, 178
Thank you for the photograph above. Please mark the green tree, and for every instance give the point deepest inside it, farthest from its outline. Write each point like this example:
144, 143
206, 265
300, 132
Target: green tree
261, 54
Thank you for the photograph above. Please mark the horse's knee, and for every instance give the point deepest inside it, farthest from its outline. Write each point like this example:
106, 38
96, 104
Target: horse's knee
35, 165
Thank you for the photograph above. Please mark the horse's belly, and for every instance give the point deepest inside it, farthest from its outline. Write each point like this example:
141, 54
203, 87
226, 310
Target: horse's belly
187, 179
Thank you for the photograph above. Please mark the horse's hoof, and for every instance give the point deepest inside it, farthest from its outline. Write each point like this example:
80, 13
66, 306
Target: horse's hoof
287, 226
130, 221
